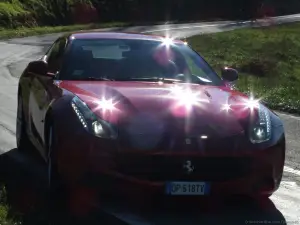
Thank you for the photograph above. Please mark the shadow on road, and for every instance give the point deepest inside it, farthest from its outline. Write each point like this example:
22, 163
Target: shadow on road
24, 178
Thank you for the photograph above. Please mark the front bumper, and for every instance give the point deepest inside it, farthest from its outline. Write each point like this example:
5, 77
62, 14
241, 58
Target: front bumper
260, 176
250, 173
82, 157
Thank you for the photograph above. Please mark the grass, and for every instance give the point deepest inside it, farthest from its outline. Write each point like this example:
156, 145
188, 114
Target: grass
267, 59
4, 218
25, 31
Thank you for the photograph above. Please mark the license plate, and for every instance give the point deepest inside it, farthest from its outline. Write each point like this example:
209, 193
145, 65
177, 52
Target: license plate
187, 188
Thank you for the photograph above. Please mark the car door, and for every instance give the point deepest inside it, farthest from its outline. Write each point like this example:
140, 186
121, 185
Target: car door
41, 94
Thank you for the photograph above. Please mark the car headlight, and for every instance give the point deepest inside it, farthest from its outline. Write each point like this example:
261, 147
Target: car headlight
91, 122
260, 128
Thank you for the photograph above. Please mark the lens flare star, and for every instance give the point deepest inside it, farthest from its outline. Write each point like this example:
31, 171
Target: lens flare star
187, 97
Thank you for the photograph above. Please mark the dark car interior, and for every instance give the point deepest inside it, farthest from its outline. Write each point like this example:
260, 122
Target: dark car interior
133, 63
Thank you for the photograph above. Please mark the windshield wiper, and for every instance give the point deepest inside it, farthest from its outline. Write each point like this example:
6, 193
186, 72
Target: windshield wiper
100, 78
155, 79
95, 78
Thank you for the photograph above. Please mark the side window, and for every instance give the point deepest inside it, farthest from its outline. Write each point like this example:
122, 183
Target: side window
199, 67
194, 68
55, 55
49, 50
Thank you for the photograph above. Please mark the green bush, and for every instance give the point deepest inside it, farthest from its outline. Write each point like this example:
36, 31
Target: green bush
59, 12
13, 14
29, 13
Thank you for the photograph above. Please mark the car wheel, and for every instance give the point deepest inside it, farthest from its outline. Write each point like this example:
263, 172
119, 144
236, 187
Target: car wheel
56, 189
23, 142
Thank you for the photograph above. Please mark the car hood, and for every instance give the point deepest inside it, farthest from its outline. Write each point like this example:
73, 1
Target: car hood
149, 106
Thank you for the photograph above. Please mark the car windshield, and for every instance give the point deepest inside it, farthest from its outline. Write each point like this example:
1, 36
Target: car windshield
135, 60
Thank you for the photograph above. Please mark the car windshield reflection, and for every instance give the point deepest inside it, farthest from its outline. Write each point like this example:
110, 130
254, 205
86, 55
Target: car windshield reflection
128, 60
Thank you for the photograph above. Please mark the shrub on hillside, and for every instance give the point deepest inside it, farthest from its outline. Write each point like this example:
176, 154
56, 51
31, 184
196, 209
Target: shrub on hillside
63, 12
13, 14
83, 12
54, 12
40, 9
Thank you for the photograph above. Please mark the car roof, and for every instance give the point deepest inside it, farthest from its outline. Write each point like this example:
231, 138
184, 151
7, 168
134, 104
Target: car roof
118, 35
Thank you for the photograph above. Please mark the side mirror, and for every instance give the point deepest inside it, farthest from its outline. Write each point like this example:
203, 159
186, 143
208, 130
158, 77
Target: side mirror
229, 74
38, 67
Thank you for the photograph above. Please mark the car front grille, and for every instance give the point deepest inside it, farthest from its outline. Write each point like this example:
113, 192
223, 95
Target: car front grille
165, 168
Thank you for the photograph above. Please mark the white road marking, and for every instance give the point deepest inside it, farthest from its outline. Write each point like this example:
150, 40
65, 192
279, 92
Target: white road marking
291, 170
191, 27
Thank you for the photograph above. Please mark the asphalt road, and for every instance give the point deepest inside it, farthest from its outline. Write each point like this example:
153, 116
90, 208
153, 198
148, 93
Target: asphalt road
284, 205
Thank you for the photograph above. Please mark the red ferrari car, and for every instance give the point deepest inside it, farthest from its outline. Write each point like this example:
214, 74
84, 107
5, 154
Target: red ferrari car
131, 111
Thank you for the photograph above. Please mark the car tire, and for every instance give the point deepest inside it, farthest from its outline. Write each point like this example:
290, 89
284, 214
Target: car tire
57, 194
22, 139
